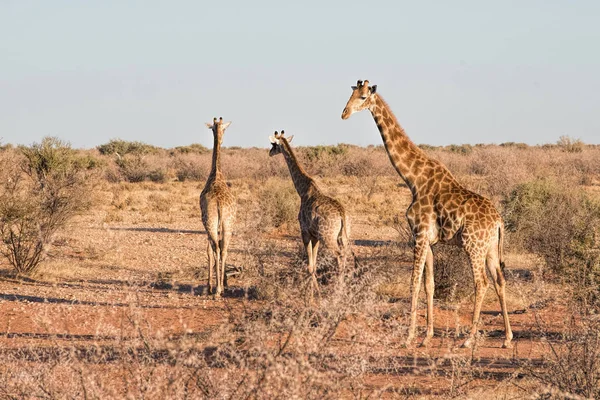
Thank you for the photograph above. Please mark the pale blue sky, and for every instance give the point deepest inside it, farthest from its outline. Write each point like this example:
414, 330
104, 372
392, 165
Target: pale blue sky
155, 71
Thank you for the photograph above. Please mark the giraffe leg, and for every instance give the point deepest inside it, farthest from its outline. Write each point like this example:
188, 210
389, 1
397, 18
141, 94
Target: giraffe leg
421, 249
313, 271
211, 266
309, 254
214, 243
224, 252
481, 285
429, 289
493, 266
331, 243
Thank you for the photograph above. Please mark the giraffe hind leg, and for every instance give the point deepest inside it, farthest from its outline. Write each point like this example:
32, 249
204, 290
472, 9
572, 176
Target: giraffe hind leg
497, 275
481, 284
213, 242
226, 239
211, 266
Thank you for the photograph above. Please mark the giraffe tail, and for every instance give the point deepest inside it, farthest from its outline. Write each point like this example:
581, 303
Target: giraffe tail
501, 247
343, 238
220, 225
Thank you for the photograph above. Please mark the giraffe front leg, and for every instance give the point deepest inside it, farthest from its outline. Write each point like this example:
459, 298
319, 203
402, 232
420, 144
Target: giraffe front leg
429, 290
421, 249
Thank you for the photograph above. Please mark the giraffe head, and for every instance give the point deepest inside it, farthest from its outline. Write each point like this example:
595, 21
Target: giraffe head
363, 96
277, 143
218, 127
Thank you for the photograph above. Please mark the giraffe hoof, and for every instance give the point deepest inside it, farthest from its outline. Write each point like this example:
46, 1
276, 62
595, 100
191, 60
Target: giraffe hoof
507, 344
467, 344
425, 342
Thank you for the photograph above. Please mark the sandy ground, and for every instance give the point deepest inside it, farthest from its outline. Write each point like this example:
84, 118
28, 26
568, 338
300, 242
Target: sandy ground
142, 260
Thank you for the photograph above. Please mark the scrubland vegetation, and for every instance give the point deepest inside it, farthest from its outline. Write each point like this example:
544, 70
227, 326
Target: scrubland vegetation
102, 291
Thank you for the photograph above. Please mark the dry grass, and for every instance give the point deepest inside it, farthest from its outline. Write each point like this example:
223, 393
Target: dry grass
119, 311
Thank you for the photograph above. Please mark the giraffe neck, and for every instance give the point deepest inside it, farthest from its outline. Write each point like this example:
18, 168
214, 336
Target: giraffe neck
215, 171
302, 181
403, 153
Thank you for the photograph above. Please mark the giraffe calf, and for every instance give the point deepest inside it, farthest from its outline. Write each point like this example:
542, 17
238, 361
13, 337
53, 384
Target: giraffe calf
218, 207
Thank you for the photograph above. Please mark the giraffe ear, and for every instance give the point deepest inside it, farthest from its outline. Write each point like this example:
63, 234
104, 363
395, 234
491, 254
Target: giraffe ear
354, 87
289, 139
209, 125
273, 139
226, 125
373, 89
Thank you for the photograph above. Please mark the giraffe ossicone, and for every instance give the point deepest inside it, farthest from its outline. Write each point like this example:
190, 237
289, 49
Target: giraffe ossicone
442, 210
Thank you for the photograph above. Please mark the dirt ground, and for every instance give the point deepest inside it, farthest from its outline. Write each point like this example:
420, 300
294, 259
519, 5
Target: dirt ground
134, 267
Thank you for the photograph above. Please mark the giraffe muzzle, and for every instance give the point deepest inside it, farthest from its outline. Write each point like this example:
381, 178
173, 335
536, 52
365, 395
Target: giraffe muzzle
346, 113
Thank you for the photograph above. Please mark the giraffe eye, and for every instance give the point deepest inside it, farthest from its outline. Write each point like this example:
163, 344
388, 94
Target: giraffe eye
363, 97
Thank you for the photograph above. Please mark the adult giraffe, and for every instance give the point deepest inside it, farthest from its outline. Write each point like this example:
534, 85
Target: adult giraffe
441, 210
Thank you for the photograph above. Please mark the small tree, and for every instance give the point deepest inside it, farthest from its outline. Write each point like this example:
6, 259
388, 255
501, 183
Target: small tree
570, 145
45, 185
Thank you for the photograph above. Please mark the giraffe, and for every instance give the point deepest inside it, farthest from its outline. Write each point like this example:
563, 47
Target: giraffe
322, 218
441, 210
218, 207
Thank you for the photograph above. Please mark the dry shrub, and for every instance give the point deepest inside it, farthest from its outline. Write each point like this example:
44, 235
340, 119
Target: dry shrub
279, 203
322, 160
366, 162
191, 167
491, 170
43, 188
283, 348
240, 163
570, 369
140, 168
453, 277
494, 171
570, 145
159, 203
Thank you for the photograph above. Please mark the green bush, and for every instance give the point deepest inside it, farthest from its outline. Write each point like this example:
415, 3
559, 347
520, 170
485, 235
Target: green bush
42, 188
123, 147
317, 153
194, 148
556, 221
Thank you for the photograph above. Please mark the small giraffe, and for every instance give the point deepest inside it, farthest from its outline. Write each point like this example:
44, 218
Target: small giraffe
441, 210
218, 207
322, 218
